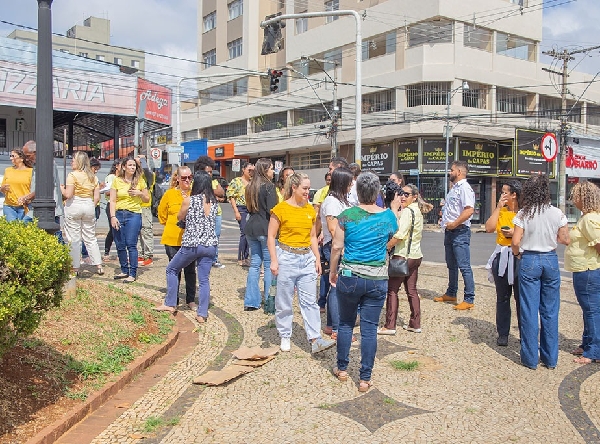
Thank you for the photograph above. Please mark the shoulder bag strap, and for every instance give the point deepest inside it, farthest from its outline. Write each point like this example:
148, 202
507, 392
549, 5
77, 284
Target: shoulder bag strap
412, 227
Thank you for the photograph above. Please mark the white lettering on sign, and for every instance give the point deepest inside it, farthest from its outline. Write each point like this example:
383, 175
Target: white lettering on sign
376, 156
153, 97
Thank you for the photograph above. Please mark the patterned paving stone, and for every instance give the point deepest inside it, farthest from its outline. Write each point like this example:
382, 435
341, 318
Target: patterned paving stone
570, 402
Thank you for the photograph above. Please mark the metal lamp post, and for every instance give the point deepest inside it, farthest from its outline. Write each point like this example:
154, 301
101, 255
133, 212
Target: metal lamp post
464, 87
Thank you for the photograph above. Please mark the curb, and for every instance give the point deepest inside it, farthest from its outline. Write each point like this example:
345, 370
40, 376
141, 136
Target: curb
54, 431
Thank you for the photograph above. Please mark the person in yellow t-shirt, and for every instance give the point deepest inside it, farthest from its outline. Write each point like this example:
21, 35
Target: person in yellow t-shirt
322, 193
146, 239
502, 265
285, 172
127, 193
295, 263
16, 184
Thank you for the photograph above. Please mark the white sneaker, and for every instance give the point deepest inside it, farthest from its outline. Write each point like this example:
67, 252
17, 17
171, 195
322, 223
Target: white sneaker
218, 265
414, 330
321, 344
286, 345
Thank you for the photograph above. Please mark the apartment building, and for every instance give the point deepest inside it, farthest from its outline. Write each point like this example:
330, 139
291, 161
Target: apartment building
472, 64
92, 40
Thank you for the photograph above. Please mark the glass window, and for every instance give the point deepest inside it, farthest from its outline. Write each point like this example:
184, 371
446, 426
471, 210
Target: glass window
118, 61
312, 66
427, 93
516, 47
100, 58
83, 54
379, 101
301, 25
315, 113
236, 8
226, 131
135, 63
235, 48
479, 38
210, 21
476, 96
592, 114
332, 5
430, 32
379, 45
305, 161
210, 58
217, 93
511, 101
269, 122
549, 107
2, 133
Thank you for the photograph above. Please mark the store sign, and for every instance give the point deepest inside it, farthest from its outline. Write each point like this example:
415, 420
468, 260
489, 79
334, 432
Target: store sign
482, 157
378, 158
158, 101
219, 151
408, 155
505, 158
434, 155
529, 158
583, 157
162, 137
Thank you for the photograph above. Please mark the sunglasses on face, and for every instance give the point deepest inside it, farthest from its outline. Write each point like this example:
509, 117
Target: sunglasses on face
14, 155
185, 177
404, 193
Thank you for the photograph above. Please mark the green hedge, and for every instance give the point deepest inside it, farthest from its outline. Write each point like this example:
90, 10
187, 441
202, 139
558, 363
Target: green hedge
34, 267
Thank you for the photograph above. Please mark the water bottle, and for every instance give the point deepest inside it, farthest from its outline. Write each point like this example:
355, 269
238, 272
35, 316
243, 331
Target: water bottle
269, 306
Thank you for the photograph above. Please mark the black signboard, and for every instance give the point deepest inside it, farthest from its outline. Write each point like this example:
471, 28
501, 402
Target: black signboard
408, 155
434, 155
219, 151
482, 157
529, 159
161, 137
378, 158
505, 158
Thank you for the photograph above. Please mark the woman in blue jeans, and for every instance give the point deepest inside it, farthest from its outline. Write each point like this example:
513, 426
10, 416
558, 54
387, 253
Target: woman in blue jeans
198, 243
539, 227
363, 233
261, 197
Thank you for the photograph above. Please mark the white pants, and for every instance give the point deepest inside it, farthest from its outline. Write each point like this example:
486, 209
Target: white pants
80, 225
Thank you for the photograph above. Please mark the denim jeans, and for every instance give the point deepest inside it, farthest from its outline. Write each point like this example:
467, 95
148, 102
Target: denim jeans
503, 293
243, 245
297, 270
218, 225
203, 255
333, 310
587, 290
368, 294
13, 213
458, 257
259, 254
539, 292
189, 273
324, 285
126, 240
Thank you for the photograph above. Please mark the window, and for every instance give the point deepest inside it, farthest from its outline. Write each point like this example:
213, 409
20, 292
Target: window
430, 32
379, 45
511, 101
332, 5
311, 66
209, 58
479, 38
118, 61
301, 25
592, 115
100, 58
217, 93
379, 101
269, 122
550, 107
233, 129
135, 64
235, 48
2, 133
210, 21
427, 93
66, 51
516, 47
476, 96
236, 8
315, 113
306, 161
83, 54
522, 3
281, 4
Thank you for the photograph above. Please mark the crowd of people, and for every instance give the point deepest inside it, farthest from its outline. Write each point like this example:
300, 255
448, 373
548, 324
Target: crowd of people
346, 238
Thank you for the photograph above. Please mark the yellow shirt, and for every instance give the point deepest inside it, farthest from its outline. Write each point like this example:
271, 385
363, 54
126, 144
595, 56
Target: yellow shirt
295, 223
168, 208
580, 254
505, 219
279, 195
215, 185
124, 200
20, 184
403, 233
237, 190
320, 195
83, 187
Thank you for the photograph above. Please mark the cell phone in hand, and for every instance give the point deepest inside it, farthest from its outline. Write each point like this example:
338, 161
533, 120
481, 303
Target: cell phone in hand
505, 227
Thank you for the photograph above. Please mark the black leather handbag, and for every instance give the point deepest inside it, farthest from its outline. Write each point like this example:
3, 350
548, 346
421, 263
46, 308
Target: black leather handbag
398, 267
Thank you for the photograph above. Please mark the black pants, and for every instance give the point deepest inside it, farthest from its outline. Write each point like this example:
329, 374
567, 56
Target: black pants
189, 274
109, 236
503, 293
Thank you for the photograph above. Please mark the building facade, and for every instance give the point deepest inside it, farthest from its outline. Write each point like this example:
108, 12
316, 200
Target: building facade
472, 66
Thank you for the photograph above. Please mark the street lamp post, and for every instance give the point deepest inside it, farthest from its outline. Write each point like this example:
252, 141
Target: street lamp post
464, 87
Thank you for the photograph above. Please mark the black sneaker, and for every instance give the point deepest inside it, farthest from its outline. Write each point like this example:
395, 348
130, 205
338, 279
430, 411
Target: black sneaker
502, 341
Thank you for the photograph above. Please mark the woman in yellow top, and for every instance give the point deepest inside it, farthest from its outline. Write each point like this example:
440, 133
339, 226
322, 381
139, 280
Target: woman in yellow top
285, 172
502, 265
236, 195
295, 262
582, 257
127, 193
82, 193
16, 184
168, 209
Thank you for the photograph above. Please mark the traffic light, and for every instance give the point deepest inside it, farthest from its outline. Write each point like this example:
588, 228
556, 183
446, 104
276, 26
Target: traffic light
274, 79
273, 38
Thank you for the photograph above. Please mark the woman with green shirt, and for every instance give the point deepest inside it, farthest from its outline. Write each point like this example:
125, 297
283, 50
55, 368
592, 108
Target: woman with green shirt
582, 257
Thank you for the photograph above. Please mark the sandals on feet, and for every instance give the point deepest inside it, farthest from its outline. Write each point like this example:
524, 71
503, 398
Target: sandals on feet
364, 386
577, 352
172, 310
342, 375
200, 320
584, 360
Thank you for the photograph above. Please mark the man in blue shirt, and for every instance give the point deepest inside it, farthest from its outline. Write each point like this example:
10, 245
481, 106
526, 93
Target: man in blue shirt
456, 223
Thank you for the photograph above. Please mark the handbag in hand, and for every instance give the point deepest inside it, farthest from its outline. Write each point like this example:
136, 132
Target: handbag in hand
398, 267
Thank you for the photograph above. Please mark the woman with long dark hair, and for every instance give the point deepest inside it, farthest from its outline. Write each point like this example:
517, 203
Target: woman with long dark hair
199, 242
236, 195
333, 205
539, 227
502, 266
285, 172
114, 172
261, 197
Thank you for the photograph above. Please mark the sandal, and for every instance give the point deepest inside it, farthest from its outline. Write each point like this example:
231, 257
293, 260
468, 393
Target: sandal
120, 276
172, 310
100, 270
577, 352
129, 280
334, 336
364, 386
200, 319
342, 375
584, 360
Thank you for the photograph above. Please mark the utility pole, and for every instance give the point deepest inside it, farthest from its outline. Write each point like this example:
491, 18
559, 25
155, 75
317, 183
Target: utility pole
334, 114
564, 55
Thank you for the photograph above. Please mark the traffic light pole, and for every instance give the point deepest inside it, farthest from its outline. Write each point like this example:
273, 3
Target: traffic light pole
358, 94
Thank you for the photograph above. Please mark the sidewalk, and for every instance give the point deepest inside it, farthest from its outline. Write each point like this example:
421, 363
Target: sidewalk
466, 389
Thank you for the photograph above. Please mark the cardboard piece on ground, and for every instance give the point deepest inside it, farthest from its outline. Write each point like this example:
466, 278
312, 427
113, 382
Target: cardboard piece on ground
254, 362
253, 353
222, 376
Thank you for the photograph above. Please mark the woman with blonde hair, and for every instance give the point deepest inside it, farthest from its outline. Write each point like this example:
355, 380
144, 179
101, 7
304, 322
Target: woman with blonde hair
16, 184
582, 257
82, 193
